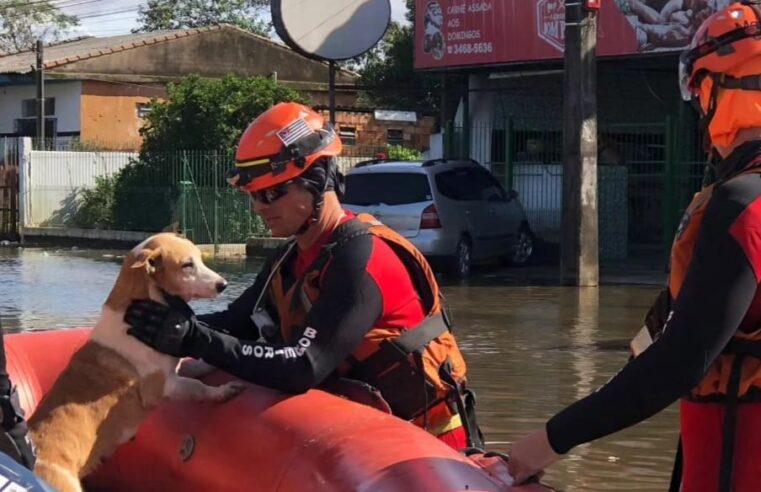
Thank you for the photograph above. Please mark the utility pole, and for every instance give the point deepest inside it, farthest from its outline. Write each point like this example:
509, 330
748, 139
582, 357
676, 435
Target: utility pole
443, 116
332, 91
578, 243
464, 150
40, 72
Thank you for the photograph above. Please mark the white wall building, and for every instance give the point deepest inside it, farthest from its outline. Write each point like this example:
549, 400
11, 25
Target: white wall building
18, 108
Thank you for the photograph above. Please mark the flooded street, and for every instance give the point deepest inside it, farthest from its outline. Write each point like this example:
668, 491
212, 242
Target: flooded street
533, 350
530, 350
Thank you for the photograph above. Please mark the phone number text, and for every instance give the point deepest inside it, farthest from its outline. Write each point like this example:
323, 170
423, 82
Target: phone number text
469, 48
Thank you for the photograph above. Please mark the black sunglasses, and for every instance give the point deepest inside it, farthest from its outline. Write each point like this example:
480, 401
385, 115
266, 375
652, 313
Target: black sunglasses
271, 194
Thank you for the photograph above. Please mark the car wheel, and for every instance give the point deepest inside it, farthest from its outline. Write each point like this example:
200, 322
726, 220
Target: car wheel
523, 246
462, 259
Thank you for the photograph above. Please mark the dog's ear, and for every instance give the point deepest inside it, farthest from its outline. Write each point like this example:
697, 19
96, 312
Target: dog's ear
150, 259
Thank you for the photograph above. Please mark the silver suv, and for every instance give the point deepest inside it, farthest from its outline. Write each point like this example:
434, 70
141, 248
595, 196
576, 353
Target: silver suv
454, 211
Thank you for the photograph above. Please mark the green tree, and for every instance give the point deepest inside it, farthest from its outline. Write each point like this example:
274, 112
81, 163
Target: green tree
22, 22
399, 152
208, 114
389, 70
188, 143
158, 15
96, 204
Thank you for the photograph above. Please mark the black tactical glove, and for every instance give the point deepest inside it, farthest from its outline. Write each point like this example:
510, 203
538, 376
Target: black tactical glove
171, 329
15, 440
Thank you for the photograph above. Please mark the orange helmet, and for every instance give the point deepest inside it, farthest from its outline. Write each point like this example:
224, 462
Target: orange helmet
724, 41
280, 145
724, 54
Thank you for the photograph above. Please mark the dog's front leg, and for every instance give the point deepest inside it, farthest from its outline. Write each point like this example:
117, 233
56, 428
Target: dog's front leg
194, 368
186, 389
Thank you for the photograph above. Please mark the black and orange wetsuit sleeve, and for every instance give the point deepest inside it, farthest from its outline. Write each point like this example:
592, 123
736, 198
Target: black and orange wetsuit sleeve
349, 304
236, 319
718, 290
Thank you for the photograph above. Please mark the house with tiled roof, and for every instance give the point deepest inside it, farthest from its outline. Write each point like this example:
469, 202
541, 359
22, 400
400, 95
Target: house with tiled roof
98, 88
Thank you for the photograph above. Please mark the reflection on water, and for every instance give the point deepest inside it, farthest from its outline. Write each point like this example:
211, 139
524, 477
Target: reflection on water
533, 350
530, 350
41, 289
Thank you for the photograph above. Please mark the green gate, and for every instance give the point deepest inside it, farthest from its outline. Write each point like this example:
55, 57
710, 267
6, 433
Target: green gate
647, 174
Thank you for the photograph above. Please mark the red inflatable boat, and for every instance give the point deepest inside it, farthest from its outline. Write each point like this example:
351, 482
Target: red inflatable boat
262, 440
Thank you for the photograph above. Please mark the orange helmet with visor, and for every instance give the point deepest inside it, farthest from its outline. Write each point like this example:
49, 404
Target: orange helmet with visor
720, 73
726, 40
280, 145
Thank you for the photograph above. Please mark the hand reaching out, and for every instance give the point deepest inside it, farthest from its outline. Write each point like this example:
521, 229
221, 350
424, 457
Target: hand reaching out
530, 455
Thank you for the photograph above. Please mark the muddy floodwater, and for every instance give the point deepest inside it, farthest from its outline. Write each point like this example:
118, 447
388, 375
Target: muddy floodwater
530, 349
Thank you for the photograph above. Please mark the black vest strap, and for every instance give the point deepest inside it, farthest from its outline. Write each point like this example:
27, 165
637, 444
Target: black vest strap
741, 349
729, 431
741, 346
393, 351
414, 340
343, 233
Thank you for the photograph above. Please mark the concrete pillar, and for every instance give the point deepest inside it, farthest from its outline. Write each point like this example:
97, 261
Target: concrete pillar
483, 104
24, 170
578, 242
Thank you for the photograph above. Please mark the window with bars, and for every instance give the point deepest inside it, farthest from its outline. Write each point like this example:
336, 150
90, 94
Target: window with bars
348, 135
143, 109
394, 137
29, 107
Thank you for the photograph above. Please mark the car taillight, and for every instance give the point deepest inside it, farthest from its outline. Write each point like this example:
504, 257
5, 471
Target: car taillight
430, 218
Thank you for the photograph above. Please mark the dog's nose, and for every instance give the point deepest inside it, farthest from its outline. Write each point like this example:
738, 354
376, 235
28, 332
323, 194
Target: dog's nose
221, 286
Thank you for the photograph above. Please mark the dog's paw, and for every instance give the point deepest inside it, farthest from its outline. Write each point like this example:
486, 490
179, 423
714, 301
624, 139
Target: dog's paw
228, 391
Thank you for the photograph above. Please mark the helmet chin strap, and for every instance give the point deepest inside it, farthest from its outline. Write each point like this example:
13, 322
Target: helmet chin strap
317, 189
318, 200
314, 217
712, 156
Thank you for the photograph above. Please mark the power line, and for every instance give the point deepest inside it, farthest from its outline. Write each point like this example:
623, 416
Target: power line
102, 32
108, 23
76, 4
109, 20
32, 3
104, 14
122, 4
94, 14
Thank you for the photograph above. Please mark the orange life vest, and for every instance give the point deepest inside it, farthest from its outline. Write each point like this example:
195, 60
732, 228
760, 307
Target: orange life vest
715, 383
734, 376
435, 347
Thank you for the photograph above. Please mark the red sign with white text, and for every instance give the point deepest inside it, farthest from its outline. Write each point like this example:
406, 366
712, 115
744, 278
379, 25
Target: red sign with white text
452, 33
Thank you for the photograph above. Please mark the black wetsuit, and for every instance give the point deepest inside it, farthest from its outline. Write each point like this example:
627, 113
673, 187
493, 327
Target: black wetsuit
365, 285
719, 296
15, 442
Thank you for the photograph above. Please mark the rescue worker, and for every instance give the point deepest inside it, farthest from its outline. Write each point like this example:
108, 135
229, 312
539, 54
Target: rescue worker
708, 352
345, 299
17, 452
14, 440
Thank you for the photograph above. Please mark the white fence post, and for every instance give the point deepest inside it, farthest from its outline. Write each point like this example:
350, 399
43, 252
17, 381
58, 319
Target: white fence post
24, 170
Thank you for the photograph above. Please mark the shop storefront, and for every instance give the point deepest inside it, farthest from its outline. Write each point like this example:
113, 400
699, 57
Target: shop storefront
509, 115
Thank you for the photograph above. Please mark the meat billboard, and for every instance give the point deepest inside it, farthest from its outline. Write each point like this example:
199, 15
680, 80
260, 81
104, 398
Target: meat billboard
452, 33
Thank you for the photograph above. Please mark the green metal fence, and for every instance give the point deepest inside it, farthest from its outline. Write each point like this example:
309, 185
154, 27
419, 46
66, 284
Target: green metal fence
647, 174
186, 189
209, 210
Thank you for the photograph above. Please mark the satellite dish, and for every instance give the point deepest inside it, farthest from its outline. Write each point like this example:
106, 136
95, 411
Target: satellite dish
331, 30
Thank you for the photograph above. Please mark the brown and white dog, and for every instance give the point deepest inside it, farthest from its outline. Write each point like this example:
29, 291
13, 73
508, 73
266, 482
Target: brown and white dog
114, 380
